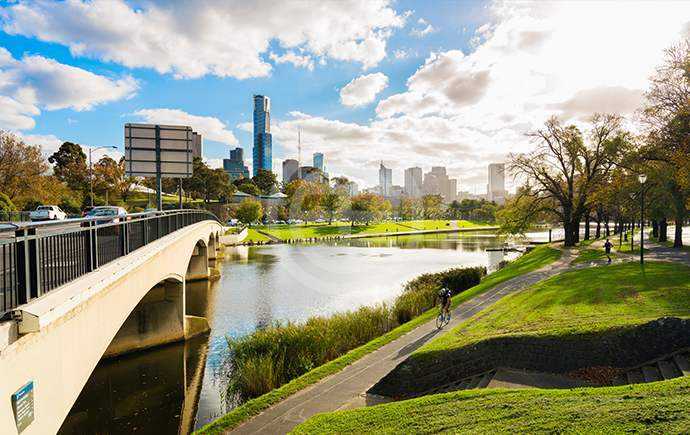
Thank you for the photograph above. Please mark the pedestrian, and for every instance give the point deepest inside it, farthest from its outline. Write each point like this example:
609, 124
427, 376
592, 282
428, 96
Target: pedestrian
607, 247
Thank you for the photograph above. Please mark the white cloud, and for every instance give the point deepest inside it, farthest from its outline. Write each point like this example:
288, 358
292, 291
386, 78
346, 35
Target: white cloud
401, 54
209, 127
363, 89
295, 59
192, 39
33, 83
425, 29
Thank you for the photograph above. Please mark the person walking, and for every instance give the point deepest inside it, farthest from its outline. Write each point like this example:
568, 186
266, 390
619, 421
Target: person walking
607, 247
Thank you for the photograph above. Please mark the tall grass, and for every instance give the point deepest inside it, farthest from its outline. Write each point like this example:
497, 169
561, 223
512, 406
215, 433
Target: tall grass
273, 356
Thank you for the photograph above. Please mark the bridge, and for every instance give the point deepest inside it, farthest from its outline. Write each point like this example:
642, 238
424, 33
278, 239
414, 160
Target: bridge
72, 293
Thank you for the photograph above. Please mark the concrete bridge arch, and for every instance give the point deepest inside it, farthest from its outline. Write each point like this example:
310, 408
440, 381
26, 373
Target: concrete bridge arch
131, 303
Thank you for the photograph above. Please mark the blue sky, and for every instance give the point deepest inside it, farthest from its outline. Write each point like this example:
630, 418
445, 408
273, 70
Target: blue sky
462, 95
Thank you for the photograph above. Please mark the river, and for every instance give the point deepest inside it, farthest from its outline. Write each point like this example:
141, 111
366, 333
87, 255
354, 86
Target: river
179, 387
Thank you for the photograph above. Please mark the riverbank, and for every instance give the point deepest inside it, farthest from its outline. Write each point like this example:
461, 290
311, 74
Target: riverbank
534, 260
598, 316
268, 234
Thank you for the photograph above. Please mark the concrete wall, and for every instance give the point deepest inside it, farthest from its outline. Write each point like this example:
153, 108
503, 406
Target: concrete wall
74, 325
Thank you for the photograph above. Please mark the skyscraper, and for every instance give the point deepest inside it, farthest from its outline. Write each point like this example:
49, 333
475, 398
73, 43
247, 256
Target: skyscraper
234, 166
262, 134
290, 170
318, 161
496, 189
385, 180
437, 182
413, 182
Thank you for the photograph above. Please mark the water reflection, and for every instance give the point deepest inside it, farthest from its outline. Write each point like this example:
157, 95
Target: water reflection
160, 391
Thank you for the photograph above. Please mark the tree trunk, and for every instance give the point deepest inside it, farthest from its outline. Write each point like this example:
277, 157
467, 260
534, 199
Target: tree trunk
598, 230
587, 222
678, 236
606, 227
655, 228
663, 230
680, 215
569, 229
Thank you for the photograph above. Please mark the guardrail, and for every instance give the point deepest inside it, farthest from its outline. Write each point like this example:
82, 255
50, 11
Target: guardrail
36, 258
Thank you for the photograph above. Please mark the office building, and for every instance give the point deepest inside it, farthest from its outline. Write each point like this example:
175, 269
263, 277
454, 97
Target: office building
290, 170
413, 182
235, 166
318, 162
352, 188
385, 180
496, 188
262, 154
197, 145
437, 182
310, 173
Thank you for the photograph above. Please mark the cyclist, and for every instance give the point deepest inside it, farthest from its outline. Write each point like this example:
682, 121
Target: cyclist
444, 297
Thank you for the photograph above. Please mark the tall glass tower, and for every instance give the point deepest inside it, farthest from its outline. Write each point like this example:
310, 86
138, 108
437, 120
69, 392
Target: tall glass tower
262, 134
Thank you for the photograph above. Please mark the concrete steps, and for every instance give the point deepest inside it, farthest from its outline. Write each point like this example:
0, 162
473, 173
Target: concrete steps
667, 367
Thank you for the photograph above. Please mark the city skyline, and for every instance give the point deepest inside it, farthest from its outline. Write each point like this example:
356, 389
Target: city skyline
433, 84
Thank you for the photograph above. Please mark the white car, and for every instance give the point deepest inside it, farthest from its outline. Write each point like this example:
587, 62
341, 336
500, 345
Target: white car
47, 213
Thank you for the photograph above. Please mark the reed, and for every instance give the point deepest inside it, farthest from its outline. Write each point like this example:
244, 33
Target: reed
273, 356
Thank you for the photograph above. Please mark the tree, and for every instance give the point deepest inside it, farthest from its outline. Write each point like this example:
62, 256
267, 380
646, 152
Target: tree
249, 211
563, 170
331, 203
408, 208
266, 181
367, 207
455, 210
667, 117
70, 166
21, 165
106, 174
431, 206
249, 188
208, 183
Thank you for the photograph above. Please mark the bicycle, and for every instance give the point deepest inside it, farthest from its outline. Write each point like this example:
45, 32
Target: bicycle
442, 319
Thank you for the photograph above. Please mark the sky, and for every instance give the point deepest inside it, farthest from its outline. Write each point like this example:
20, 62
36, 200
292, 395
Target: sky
406, 83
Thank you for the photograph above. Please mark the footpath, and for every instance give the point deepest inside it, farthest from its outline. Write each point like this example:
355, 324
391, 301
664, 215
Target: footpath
346, 389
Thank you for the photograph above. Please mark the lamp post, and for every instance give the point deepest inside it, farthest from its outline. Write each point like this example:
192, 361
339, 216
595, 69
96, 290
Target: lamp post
91, 168
642, 178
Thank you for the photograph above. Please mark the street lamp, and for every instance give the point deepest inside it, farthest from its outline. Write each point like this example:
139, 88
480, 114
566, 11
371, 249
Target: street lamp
642, 178
91, 168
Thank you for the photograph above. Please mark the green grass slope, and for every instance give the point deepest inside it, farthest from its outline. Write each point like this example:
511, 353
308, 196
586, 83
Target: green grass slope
579, 301
660, 407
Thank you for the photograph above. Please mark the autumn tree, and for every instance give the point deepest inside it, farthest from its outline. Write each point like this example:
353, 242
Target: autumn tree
21, 165
431, 206
408, 208
565, 167
667, 118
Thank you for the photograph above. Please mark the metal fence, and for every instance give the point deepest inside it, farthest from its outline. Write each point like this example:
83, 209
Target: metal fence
36, 258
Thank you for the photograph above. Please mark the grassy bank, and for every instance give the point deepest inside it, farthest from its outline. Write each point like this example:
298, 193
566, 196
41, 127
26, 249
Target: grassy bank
660, 407
576, 302
319, 230
534, 260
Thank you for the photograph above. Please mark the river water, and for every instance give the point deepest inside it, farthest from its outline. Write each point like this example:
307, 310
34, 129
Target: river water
179, 387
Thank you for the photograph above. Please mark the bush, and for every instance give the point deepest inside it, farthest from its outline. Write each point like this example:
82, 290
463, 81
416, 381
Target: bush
273, 356
5, 203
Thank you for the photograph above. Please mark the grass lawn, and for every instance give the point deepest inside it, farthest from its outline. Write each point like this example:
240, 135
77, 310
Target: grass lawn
586, 300
660, 407
587, 255
534, 260
314, 230
255, 236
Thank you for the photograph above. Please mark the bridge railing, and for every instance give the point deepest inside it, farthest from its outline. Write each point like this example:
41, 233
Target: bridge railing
36, 258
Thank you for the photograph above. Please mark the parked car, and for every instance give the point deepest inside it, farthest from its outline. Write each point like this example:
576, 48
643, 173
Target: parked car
109, 213
86, 210
232, 222
47, 213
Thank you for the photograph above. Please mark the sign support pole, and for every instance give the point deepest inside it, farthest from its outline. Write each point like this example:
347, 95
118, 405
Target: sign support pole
159, 178
179, 180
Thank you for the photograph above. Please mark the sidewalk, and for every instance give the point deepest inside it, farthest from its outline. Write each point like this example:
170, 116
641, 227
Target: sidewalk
346, 388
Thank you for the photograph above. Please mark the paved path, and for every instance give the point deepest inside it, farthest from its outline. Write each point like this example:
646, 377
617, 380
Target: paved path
346, 388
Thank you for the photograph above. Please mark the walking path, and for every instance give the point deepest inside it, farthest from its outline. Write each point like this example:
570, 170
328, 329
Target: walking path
346, 389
